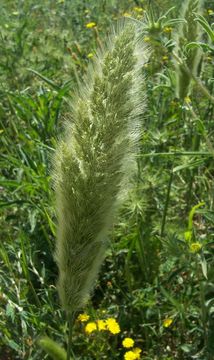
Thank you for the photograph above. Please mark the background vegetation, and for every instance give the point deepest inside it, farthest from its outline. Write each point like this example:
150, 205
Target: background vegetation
157, 279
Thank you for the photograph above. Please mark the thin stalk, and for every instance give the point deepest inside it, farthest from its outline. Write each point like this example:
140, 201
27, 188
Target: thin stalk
166, 204
203, 312
71, 318
196, 147
142, 252
143, 260
178, 153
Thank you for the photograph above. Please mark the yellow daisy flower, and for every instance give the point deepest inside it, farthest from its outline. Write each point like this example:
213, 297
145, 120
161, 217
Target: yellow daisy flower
90, 327
137, 351
130, 355
101, 324
113, 326
83, 317
128, 342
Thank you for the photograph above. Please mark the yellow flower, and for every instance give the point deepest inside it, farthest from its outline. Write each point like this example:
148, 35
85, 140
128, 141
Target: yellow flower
128, 342
137, 352
83, 317
146, 38
210, 12
167, 322
90, 327
126, 14
113, 326
187, 100
90, 25
138, 9
195, 247
167, 29
130, 355
165, 58
90, 55
101, 324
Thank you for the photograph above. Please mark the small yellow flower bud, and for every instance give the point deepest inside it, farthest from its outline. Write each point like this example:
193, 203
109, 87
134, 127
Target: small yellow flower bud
187, 100
125, 14
167, 322
138, 9
165, 58
195, 247
210, 12
167, 29
90, 25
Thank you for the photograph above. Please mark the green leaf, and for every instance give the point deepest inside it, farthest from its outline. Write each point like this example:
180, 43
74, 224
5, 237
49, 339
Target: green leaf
203, 22
44, 78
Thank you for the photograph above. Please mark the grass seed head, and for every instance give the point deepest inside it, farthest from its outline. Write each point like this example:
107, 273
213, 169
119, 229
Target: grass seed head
93, 161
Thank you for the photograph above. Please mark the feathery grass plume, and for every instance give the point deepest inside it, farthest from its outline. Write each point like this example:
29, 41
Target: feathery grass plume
52, 348
189, 31
92, 162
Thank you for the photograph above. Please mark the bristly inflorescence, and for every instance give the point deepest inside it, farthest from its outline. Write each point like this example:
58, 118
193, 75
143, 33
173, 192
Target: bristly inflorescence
93, 161
189, 31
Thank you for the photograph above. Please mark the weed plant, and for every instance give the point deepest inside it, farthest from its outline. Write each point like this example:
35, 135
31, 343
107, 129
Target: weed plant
156, 285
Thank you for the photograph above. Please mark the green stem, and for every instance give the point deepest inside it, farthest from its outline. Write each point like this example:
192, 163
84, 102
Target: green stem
71, 317
166, 204
195, 147
178, 153
203, 312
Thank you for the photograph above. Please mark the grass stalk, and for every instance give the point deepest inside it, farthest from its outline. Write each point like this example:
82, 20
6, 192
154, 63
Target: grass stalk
166, 203
71, 319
